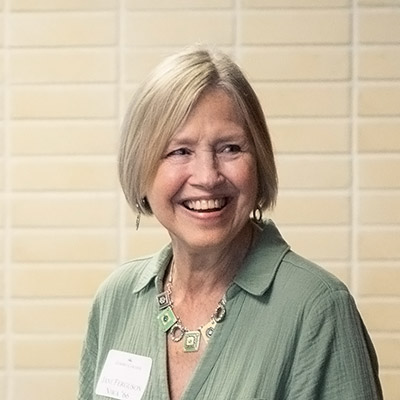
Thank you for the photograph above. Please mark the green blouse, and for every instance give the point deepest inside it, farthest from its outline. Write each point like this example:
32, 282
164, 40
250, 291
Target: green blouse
292, 331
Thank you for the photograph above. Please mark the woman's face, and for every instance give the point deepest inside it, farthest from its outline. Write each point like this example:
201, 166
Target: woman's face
206, 183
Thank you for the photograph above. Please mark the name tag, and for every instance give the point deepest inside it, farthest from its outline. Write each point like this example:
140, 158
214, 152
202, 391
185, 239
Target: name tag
124, 376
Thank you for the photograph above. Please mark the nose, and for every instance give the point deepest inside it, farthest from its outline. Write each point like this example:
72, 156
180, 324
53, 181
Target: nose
205, 171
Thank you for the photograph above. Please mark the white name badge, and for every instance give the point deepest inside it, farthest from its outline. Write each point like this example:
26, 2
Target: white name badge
124, 376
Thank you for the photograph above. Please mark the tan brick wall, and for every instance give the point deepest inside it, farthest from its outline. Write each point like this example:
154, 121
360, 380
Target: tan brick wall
328, 75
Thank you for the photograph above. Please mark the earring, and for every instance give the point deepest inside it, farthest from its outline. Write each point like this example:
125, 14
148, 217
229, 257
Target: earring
144, 204
257, 214
138, 216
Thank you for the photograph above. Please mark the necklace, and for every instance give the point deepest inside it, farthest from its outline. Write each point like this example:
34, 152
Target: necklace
171, 323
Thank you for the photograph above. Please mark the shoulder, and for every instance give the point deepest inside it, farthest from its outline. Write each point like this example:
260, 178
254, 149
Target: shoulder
127, 274
311, 273
308, 283
131, 277
314, 300
272, 267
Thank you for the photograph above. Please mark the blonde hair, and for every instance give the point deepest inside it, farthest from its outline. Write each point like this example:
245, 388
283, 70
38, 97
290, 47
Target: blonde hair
161, 105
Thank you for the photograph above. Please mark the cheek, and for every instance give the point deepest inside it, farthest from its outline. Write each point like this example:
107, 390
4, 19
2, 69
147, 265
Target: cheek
166, 183
249, 174
247, 182
252, 185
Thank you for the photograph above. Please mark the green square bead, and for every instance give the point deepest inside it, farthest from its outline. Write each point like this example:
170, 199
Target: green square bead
191, 341
167, 319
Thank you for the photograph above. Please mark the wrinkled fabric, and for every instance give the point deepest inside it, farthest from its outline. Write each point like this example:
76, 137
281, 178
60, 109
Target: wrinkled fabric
292, 331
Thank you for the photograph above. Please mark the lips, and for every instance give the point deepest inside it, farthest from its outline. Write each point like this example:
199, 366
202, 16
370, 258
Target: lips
205, 204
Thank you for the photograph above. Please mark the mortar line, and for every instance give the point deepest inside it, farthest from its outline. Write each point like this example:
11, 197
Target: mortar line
9, 351
354, 273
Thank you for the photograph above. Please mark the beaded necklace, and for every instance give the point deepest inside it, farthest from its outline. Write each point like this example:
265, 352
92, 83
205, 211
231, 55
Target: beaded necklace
172, 324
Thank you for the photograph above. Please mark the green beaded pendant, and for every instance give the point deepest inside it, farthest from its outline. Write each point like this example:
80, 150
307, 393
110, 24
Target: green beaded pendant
166, 318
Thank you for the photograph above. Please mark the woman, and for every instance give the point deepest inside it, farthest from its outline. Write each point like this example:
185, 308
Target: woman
227, 310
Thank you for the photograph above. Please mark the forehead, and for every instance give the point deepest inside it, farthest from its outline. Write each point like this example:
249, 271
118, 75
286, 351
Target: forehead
214, 112
217, 103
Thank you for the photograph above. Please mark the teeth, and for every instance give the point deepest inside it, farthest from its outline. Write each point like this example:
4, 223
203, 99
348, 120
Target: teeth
204, 205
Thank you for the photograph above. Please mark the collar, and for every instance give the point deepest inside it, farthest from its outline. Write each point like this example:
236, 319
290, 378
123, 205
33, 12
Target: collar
260, 266
153, 267
256, 275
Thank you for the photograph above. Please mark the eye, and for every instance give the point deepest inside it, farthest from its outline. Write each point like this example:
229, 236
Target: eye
231, 148
183, 151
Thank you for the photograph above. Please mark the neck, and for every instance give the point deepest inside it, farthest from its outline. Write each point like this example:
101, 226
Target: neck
211, 270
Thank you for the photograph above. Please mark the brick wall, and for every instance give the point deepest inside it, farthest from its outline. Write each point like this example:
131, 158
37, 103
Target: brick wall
328, 75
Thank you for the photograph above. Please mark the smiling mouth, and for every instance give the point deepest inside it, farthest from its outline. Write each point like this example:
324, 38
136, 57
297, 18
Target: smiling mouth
205, 205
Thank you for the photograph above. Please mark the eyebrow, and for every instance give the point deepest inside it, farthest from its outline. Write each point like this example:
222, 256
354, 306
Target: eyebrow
223, 137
